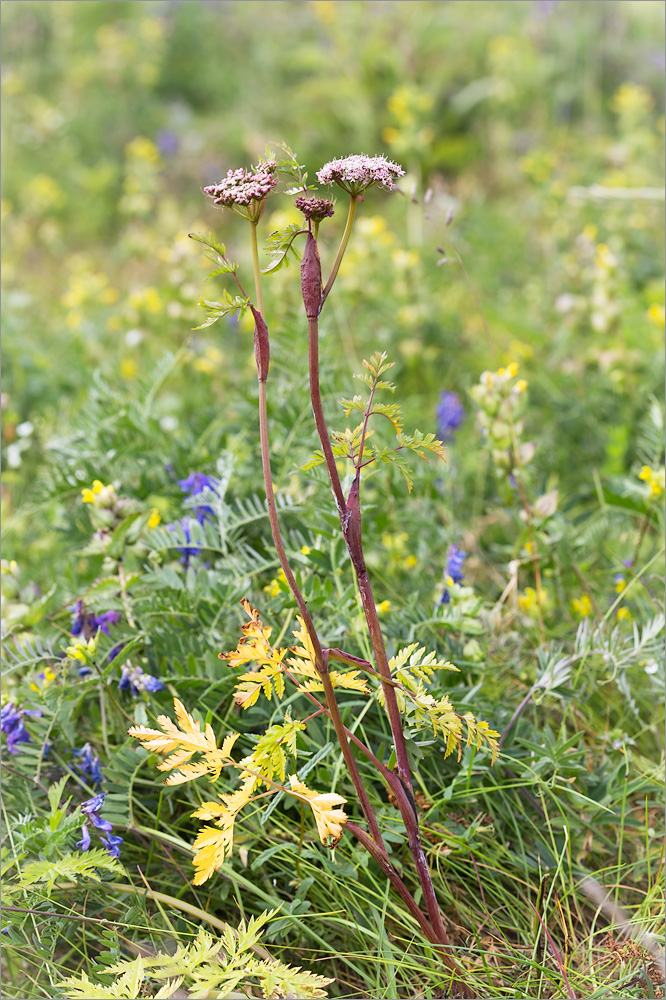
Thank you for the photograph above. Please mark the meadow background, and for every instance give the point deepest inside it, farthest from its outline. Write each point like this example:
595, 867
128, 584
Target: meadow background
539, 126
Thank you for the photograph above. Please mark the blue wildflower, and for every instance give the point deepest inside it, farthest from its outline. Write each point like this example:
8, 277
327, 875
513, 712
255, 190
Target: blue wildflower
112, 845
89, 763
453, 572
86, 622
84, 842
195, 484
115, 651
13, 726
90, 809
107, 618
450, 414
136, 681
188, 550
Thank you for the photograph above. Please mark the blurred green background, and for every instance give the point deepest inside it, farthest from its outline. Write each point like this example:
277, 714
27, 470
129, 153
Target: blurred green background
529, 228
116, 114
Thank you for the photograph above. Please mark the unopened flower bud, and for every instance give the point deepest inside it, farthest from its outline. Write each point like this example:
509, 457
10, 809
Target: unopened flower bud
311, 278
315, 209
261, 344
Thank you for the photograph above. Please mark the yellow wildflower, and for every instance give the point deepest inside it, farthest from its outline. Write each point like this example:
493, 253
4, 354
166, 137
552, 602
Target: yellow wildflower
305, 550
82, 650
47, 677
147, 298
109, 296
582, 605
512, 369
383, 607
657, 314
390, 135
529, 600
623, 614
631, 98
410, 562
43, 193
128, 368
100, 495
154, 518
655, 480
520, 385
143, 149
204, 365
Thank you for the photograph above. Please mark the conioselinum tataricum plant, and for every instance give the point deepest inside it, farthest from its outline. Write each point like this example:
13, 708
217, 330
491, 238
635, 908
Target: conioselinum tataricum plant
399, 683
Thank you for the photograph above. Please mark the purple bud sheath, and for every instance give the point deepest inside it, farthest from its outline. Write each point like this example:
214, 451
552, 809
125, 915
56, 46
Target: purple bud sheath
261, 345
311, 278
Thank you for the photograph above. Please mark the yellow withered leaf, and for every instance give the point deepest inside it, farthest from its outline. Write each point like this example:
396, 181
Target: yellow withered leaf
329, 820
254, 646
212, 846
182, 744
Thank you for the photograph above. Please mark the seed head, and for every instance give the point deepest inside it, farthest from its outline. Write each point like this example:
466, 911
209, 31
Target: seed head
359, 172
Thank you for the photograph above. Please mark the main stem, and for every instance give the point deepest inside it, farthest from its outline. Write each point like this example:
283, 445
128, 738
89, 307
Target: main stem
350, 520
320, 657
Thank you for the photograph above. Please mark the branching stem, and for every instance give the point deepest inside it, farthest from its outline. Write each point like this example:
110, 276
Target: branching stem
343, 246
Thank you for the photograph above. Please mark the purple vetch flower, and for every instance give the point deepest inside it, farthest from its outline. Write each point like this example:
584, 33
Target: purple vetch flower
106, 619
115, 651
13, 726
84, 842
359, 172
112, 845
189, 549
90, 809
136, 681
244, 190
89, 763
315, 209
195, 484
86, 623
450, 414
454, 561
453, 572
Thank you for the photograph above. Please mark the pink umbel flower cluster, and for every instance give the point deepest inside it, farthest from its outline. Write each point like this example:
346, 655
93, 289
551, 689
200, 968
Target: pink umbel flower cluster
359, 172
315, 209
244, 190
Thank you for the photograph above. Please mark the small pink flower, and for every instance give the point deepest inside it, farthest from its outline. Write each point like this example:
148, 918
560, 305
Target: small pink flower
359, 172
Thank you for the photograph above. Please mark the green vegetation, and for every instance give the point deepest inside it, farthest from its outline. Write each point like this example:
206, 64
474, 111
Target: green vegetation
519, 270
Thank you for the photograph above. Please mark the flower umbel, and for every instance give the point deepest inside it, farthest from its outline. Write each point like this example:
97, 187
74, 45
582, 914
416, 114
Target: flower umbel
359, 172
244, 191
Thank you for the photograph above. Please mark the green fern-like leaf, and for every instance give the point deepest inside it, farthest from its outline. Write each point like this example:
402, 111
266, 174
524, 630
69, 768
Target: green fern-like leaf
70, 868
